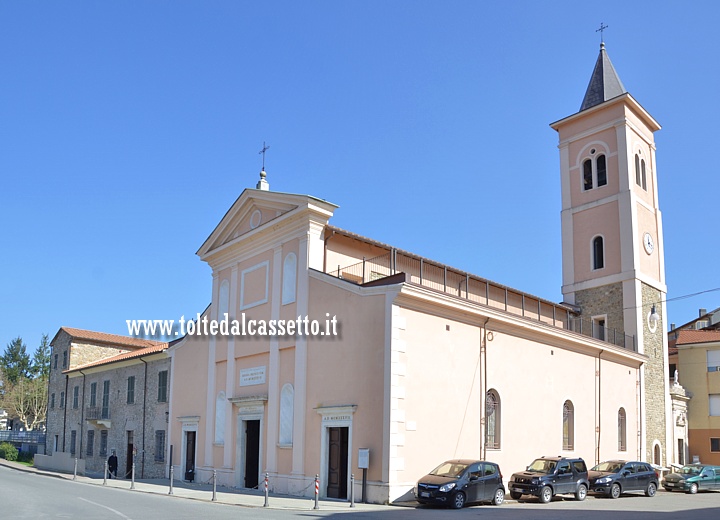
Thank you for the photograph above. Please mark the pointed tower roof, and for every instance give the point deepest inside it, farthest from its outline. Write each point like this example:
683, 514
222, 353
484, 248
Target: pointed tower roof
604, 83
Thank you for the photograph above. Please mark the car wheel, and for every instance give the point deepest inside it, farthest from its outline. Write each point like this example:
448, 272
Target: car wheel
615, 490
515, 495
458, 500
651, 489
499, 497
581, 492
546, 494
693, 489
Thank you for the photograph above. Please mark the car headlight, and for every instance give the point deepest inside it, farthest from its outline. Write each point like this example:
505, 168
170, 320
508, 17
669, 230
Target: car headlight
535, 481
447, 487
415, 489
603, 480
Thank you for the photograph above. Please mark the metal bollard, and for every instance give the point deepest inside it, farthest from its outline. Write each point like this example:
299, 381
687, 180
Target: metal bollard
105, 474
317, 492
266, 504
352, 490
172, 474
214, 498
132, 477
75, 470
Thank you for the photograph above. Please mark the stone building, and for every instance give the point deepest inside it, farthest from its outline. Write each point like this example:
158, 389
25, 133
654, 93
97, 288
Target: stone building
107, 392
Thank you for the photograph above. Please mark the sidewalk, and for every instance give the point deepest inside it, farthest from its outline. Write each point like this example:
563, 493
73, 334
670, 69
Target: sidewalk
193, 491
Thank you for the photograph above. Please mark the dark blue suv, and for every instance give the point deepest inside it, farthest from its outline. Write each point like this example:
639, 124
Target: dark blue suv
457, 482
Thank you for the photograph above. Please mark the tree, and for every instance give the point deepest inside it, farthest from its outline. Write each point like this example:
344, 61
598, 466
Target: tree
15, 362
27, 401
41, 359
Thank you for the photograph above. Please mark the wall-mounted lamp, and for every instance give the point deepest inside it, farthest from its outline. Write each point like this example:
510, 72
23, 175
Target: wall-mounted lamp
652, 319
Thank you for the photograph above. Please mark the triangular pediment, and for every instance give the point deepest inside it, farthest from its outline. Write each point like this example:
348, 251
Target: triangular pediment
251, 212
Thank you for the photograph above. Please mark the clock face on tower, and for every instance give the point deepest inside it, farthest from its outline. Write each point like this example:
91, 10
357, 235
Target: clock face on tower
648, 243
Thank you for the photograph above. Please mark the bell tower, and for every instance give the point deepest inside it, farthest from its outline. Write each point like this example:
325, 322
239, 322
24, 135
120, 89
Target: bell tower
612, 243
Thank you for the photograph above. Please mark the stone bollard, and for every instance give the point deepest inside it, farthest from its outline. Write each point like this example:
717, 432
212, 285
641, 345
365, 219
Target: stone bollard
172, 474
132, 477
105, 472
75, 470
267, 503
352, 490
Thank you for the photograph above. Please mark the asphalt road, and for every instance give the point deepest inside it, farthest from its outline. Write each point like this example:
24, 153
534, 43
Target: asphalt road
33, 496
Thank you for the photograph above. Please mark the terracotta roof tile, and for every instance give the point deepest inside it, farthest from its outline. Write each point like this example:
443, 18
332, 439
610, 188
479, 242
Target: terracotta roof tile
688, 337
111, 339
124, 356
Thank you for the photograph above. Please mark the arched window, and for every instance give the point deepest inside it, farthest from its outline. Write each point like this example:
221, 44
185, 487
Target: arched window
287, 400
598, 249
289, 278
568, 426
637, 170
223, 299
601, 170
644, 178
492, 420
657, 457
622, 430
220, 418
587, 175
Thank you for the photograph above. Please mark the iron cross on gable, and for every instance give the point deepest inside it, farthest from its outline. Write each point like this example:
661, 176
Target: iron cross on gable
600, 30
265, 148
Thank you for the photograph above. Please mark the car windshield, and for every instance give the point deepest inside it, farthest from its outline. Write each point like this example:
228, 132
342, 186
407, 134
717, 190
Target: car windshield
542, 466
690, 470
609, 467
449, 469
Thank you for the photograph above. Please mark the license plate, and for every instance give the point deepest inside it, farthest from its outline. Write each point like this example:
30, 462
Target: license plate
669, 484
425, 494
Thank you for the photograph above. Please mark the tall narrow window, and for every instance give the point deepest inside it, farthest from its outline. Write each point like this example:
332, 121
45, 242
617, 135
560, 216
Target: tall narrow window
90, 442
162, 386
637, 170
106, 400
601, 170
287, 403
52, 400
568, 426
622, 430
492, 420
64, 359
598, 325
220, 402
55, 364
289, 278
76, 397
644, 178
103, 442
93, 395
159, 445
657, 456
62, 399
587, 175
73, 439
131, 390
598, 253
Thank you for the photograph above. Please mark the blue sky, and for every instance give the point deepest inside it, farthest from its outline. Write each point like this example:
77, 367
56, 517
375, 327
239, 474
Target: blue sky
127, 129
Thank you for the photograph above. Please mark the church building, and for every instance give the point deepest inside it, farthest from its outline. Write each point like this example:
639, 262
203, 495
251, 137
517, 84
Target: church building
350, 356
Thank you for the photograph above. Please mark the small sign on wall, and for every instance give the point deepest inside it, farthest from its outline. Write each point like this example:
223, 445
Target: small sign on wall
363, 458
252, 376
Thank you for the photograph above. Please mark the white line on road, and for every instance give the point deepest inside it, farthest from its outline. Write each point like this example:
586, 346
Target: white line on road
105, 507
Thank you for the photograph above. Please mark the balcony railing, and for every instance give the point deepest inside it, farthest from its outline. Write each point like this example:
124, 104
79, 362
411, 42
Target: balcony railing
96, 413
464, 285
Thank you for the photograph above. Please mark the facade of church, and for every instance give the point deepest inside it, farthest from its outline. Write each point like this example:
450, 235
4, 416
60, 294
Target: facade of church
420, 362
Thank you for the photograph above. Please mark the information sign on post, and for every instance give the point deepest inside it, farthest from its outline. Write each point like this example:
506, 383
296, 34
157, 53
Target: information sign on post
363, 458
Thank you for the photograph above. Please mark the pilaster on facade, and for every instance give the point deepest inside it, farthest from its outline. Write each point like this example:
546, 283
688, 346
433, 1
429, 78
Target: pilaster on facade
397, 422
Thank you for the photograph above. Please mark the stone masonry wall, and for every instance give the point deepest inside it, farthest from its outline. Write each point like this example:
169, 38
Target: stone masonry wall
655, 376
607, 300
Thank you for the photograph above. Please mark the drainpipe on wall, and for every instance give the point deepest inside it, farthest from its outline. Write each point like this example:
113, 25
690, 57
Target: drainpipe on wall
483, 397
65, 411
598, 420
142, 462
82, 415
